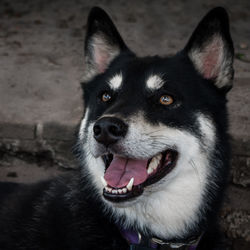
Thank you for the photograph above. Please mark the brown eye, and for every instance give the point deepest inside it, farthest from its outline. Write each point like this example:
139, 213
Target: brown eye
106, 97
166, 100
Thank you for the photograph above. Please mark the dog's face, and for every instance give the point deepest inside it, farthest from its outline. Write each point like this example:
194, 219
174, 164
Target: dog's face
153, 126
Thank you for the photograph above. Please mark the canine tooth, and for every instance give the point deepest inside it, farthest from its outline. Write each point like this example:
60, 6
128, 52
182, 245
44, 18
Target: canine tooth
110, 190
130, 184
124, 190
103, 181
114, 192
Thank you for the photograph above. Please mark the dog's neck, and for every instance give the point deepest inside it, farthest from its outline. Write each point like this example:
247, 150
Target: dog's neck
138, 241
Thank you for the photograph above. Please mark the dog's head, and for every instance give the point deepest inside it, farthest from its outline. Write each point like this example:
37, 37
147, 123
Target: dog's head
154, 130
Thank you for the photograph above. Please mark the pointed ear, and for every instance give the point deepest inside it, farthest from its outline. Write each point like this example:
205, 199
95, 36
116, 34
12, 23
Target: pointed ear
102, 43
210, 48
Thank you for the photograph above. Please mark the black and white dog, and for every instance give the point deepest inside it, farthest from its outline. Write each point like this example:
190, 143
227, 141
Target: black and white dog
153, 148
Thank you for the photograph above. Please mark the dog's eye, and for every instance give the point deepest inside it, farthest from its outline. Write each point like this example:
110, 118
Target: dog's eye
106, 97
166, 100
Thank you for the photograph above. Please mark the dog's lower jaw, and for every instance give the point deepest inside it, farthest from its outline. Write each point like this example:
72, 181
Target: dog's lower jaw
149, 213
158, 212
155, 225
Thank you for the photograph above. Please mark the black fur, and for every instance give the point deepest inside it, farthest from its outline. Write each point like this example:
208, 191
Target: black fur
65, 213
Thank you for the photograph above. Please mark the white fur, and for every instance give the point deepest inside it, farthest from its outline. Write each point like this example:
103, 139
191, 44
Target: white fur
170, 206
154, 82
207, 130
98, 166
83, 124
115, 82
95, 165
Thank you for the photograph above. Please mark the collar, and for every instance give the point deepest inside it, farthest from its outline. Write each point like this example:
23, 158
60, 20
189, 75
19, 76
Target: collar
137, 241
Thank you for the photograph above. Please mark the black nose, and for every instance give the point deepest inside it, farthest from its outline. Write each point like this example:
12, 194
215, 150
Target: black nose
109, 130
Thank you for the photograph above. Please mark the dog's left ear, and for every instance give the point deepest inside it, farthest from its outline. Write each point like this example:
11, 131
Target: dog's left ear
102, 43
210, 48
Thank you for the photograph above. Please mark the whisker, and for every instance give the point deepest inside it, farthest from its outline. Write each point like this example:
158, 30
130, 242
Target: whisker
193, 165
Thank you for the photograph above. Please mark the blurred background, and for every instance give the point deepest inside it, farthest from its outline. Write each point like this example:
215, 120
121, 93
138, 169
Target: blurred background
41, 64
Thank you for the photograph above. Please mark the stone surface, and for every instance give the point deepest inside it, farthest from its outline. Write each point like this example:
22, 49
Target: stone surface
57, 131
13, 130
16, 170
240, 172
237, 224
239, 109
237, 198
235, 215
58, 152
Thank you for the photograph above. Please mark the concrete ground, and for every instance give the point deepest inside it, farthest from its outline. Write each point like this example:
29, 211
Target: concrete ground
41, 62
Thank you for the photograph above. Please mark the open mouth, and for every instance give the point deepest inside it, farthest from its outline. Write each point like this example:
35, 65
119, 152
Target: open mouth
126, 178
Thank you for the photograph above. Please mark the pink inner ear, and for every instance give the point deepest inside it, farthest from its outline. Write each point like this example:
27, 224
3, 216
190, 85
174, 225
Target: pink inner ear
211, 58
103, 52
102, 58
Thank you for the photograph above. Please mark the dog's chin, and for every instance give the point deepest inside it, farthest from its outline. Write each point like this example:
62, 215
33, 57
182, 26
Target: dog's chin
125, 187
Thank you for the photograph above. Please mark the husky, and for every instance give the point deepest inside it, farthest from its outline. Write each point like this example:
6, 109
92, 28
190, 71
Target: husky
153, 149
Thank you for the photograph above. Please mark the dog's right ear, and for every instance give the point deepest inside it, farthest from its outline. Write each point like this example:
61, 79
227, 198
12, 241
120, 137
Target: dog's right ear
102, 43
210, 49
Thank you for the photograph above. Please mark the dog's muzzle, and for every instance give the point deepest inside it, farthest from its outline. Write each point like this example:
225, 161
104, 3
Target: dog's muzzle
125, 177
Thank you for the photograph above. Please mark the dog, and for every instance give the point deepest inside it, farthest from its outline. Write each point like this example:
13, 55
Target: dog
153, 149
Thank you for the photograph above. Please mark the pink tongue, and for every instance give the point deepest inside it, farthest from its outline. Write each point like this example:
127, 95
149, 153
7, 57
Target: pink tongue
121, 170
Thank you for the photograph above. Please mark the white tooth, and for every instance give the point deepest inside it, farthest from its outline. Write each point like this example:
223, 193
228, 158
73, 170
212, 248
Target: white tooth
114, 192
130, 184
124, 190
103, 181
154, 164
150, 170
159, 156
109, 190
120, 191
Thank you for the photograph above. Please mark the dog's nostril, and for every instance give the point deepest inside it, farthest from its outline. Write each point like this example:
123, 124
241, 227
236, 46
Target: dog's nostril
114, 130
97, 130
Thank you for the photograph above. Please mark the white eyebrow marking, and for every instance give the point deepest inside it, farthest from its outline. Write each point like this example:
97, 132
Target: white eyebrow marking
154, 82
116, 81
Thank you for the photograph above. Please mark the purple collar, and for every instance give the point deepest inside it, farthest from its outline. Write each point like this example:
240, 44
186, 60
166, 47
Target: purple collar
137, 241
